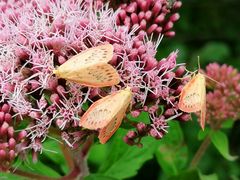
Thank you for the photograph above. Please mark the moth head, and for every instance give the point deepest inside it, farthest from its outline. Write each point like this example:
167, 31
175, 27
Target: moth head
56, 72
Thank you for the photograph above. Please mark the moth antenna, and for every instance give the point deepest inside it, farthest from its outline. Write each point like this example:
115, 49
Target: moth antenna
199, 67
220, 84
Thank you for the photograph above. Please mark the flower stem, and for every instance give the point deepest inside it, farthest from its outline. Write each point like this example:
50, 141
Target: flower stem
67, 156
30, 175
197, 157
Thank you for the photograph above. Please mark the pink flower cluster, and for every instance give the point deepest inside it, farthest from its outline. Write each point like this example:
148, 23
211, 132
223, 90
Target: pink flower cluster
223, 102
10, 141
151, 16
38, 35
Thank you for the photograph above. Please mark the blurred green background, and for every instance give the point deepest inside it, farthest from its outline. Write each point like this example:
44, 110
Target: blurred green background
208, 28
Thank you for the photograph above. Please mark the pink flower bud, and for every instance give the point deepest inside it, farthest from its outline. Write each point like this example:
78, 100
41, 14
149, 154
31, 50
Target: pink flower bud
170, 33
151, 63
180, 71
141, 50
143, 5
22, 135
177, 5
141, 15
152, 28
135, 113
169, 75
184, 117
148, 15
5, 108
159, 29
179, 90
11, 155
128, 141
131, 134
174, 17
55, 98
134, 18
12, 143
141, 127
8, 118
122, 14
168, 26
4, 128
52, 84
137, 43
1, 117
156, 8
10, 131
59, 122
160, 18
169, 112
35, 115
132, 7
143, 24
61, 59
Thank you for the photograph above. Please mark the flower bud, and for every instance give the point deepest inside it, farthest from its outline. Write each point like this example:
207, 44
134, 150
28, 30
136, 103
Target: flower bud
131, 134
5, 108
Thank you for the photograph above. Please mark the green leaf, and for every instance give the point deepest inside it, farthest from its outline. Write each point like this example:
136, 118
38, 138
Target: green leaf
192, 174
172, 152
10, 176
101, 151
52, 150
220, 141
98, 177
227, 124
214, 51
39, 168
208, 177
143, 117
202, 134
124, 161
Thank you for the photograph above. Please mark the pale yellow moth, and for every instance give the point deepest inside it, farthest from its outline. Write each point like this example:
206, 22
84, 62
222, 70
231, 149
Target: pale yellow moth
90, 68
193, 96
107, 113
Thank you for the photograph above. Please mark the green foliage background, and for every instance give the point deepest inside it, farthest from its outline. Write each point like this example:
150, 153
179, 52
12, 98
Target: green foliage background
209, 29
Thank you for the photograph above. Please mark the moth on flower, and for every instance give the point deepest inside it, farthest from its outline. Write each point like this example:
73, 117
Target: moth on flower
90, 68
193, 96
107, 113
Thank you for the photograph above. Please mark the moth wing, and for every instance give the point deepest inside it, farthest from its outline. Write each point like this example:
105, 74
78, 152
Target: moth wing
99, 75
106, 133
100, 113
203, 106
191, 95
102, 53
104, 110
96, 56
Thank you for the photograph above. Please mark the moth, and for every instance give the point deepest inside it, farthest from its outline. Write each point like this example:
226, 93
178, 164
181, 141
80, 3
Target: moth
107, 113
90, 68
193, 97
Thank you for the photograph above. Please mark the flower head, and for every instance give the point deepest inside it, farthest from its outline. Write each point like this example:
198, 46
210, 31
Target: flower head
37, 36
223, 101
